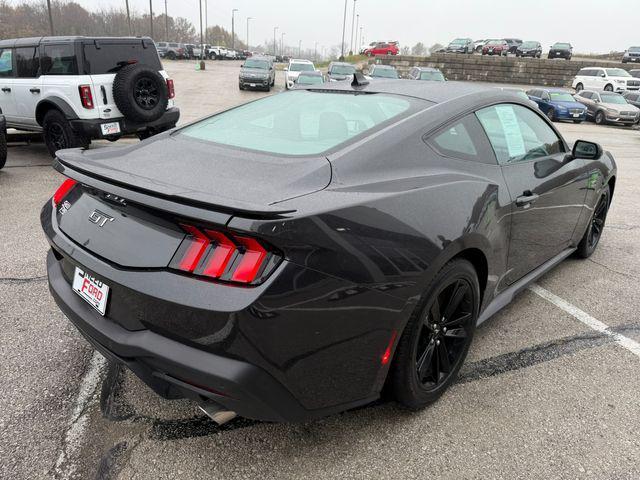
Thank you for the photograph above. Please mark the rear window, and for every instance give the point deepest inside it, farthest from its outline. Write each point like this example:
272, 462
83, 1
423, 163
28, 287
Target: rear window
111, 57
298, 122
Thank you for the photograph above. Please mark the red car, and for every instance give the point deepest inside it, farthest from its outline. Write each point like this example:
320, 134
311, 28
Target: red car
383, 49
496, 47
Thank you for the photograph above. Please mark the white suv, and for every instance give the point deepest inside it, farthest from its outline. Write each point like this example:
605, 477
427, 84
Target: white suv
294, 68
75, 89
609, 79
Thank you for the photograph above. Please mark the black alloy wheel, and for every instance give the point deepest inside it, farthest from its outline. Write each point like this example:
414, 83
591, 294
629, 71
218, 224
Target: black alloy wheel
443, 333
592, 236
58, 133
436, 340
146, 94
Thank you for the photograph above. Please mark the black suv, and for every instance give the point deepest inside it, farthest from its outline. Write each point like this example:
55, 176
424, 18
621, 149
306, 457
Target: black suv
561, 50
75, 89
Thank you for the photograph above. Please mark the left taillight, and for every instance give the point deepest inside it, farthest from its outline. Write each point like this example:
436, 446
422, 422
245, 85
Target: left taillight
224, 256
170, 88
63, 190
86, 97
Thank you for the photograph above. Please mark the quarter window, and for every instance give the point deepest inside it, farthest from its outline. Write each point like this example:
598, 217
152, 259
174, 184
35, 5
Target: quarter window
59, 60
465, 140
518, 134
27, 63
6, 63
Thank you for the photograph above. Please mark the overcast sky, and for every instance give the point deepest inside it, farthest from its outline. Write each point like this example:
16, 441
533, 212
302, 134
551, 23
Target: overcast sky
590, 25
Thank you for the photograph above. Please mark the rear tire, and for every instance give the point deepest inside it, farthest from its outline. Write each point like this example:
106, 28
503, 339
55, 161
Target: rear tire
436, 340
592, 236
140, 93
58, 133
3, 147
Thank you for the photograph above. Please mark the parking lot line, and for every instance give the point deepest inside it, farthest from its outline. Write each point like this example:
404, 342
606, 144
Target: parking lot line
588, 320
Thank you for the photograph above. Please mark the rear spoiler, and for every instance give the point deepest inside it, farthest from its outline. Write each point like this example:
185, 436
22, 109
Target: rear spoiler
174, 204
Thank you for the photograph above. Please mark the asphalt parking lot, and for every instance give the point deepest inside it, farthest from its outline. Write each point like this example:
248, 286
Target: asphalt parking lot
543, 394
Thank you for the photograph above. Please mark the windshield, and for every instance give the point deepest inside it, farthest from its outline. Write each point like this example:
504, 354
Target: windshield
634, 49
561, 97
613, 98
496, 42
384, 73
561, 45
433, 76
310, 80
298, 122
301, 67
529, 45
617, 72
255, 63
459, 41
343, 70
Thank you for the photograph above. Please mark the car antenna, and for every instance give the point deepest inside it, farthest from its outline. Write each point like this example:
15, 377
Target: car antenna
359, 80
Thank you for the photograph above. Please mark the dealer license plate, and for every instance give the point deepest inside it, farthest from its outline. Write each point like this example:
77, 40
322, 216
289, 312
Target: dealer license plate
110, 128
92, 290
576, 114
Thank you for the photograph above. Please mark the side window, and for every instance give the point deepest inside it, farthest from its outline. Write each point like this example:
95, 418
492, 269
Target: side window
586, 94
27, 62
59, 60
583, 72
463, 139
518, 134
6, 62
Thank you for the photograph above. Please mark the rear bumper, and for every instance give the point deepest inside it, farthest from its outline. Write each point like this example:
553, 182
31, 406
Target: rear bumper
91, 128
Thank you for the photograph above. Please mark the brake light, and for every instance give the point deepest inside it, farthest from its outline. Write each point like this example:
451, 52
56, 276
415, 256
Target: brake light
222, 256
86, 97
170, 88
63, 190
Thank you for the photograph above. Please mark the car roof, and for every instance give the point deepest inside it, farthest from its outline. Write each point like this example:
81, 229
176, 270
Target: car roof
341, 63
299, 60
554, 90
314, 73
436, 92
389, 67
17, 42
428, 69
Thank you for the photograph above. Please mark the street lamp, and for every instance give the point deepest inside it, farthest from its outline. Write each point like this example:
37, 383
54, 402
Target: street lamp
282, 44
344, 26
315, 52
299, 48
275, 46
353, 18
248, 18
233, 31
357, 45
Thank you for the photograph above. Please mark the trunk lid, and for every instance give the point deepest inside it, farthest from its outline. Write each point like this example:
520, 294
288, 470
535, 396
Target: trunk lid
200, 173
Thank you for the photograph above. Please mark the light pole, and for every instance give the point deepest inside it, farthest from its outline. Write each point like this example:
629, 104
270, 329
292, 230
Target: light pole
315, 52
361, 37
206, 22
248, 18
275, 47
344, 26
201, 40
151, 17
282, 44
356, 44
166, 22
233, 31
353, 19
128, 18
299, 48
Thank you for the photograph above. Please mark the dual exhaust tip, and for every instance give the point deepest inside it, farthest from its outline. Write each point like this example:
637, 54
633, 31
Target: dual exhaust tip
217, 413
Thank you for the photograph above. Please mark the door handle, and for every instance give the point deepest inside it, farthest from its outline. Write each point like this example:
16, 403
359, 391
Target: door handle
34, 90
526, 198
6, 89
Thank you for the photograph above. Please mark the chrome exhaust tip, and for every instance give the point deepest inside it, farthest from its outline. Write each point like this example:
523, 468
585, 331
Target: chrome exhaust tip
216, 413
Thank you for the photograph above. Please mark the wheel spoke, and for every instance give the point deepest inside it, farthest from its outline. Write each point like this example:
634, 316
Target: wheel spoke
435, 310
436, 368
424, 362
456, 333
460, 319
443, 355
459, 291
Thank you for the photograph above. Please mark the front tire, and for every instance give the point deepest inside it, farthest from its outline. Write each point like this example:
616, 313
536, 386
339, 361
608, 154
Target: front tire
3, 147
58, 133
591, 237
579, 87
608, 88
436, 340
600, 118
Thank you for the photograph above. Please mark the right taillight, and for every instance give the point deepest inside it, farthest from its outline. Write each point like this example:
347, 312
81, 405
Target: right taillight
224, 256
86, 97
170, 88
63, 190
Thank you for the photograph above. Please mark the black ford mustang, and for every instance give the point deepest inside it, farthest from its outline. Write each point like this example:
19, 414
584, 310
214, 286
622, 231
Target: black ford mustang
290, 257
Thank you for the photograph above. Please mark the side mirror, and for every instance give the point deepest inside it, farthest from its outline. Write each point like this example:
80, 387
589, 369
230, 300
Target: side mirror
603, 75
586, 150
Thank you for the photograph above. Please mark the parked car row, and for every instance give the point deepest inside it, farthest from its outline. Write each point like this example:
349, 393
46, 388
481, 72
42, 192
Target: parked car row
188, 51
505, 46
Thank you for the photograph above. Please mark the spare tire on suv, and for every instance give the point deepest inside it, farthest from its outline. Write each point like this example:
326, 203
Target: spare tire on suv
140, 93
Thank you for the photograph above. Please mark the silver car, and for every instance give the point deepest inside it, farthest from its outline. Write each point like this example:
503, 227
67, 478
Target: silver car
608, 107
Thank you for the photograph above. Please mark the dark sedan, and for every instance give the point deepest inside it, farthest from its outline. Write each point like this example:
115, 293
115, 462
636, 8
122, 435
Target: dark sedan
561, 50
288, 258
529, 49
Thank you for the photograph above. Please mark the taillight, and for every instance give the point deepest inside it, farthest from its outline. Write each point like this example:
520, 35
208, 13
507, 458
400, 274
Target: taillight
223, 256
170, 88
63, 190
85, 96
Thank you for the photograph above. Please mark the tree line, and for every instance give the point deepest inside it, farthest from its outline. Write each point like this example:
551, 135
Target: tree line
31, 19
